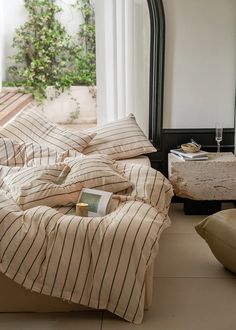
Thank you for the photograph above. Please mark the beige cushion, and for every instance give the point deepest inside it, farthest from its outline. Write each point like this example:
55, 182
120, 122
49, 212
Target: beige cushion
120, 139
219, 231
32, 126
60, 184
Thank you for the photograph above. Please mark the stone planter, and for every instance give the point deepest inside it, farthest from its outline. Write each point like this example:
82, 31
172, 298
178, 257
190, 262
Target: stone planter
78, 101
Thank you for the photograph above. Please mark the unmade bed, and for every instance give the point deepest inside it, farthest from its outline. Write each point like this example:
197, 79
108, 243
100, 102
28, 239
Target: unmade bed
64, 261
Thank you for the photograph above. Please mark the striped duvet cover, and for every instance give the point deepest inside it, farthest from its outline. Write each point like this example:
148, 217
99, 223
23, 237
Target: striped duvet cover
98, 262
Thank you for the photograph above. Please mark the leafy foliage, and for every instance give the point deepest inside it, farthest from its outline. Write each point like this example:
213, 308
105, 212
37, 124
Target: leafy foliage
47, 55
45, 50
85, 59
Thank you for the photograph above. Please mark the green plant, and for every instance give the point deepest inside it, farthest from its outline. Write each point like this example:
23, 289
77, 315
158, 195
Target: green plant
45, 52
85, 59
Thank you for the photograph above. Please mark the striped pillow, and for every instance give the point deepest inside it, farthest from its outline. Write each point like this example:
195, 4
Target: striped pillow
60, 184
120, 139
32, 126
98, 172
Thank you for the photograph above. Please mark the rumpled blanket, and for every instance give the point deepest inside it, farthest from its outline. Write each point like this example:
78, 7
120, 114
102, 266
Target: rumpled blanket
99, 262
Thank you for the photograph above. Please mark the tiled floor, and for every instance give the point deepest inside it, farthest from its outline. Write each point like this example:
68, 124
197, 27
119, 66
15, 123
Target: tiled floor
192, 291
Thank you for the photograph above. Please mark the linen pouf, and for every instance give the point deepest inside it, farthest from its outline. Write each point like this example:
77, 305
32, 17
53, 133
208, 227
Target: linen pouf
219, 231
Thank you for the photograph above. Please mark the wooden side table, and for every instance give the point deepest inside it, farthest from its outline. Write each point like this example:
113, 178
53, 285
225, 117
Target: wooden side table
209, 180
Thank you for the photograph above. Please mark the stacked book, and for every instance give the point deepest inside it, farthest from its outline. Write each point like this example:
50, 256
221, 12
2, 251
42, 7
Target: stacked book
199, 155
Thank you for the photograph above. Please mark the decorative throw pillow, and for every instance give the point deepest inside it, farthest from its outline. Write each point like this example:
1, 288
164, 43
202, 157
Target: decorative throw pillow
98, 172
32, 126
120, 139
60, 184
219, 231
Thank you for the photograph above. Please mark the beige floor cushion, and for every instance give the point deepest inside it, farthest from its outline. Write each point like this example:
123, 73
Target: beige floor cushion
219, 231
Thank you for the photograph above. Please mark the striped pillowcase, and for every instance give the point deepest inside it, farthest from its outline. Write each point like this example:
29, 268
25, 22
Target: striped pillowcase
97, 172
60, 184
32, 126
120, 139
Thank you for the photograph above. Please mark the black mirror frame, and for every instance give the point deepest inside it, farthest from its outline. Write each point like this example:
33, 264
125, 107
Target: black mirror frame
156, 78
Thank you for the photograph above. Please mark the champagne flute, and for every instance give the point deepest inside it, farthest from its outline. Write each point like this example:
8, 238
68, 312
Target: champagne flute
219, 135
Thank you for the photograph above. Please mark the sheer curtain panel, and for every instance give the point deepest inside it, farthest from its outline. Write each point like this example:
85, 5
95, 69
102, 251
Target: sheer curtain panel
122, 37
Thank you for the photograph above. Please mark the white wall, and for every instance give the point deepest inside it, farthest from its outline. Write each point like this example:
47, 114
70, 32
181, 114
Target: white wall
200, 69
14, 9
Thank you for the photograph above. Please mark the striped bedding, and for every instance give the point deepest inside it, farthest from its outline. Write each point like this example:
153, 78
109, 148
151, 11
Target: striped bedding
98, 262
61, 184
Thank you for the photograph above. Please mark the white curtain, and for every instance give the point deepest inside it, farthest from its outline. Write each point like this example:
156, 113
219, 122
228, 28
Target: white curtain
1, 45
122, 38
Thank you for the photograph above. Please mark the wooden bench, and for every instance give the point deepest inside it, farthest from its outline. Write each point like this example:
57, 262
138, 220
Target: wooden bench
11, 102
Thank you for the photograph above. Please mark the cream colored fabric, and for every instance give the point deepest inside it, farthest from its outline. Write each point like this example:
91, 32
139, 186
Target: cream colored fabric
98, 172
10, 153
60, 184
32, 126
41, 185
14, 153
98, 262
18, 299
71, 257
120, 139
139, 160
